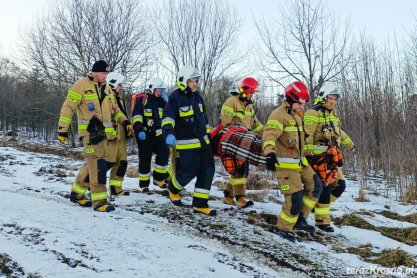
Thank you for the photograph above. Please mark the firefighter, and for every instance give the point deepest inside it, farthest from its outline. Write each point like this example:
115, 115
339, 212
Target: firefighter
237, 111
185, 127
94, 103
323, 130
147, 119
116, 158
282, 142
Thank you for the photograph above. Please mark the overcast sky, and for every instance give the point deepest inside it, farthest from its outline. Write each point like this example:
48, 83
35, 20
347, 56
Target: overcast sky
377, 17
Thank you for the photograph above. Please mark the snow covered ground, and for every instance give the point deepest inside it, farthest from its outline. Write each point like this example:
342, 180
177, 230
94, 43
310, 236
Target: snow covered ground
147, 236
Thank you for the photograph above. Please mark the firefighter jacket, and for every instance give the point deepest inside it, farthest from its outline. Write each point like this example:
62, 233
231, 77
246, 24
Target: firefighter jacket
237, 111
147, 114
284, 136
323, 129
89, 98
119, 130
186, 119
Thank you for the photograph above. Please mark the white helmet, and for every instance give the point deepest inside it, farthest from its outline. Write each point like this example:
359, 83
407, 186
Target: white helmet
156, 83
326, 90
186, 73
114, 79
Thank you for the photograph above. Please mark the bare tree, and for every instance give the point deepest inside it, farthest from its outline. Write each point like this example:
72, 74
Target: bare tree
305, 42
199, 33
65, 43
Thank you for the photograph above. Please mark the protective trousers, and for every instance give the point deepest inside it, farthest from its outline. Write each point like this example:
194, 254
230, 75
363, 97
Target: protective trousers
152, 144
190, 164
329, 194
117, 160
236, 185
93, 173
291, 185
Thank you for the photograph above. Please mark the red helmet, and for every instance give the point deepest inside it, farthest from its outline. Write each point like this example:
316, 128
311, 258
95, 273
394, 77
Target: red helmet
297, 92
248, 86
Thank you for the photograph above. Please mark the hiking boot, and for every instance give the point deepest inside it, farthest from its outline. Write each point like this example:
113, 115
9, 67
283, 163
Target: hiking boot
326, 228
228, 198
241, 202
285, 235
302, 225
114, 192
206, 211
175, 198
82, 201
104, 207
160, 184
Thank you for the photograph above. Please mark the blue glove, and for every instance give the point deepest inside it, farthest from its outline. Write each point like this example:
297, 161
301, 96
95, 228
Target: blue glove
142, 135
170, 140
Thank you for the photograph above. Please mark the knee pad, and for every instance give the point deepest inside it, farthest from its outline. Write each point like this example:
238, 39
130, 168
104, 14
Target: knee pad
340, 188
296, 202
121, 171
101, 171
109, 165
318, 186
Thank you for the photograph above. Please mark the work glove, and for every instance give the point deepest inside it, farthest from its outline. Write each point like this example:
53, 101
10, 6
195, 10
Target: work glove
271, 160
142, 135
128, 128
170, 140
63, 137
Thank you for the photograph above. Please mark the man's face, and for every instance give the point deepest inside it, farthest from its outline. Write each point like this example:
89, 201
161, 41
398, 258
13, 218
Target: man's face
100, 76
119, 88
297, 107
157, 92
332, 100
192, 84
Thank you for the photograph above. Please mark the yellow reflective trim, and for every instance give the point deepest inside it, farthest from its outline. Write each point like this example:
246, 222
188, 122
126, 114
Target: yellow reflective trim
162, 171
161, 113
293, 129
117, 183
288, 219
65, 119
98, 196
201, 195
168, 122
90, 97
137, 120
309, 202
269, 142
239, 115
322, 211
258, 128
284, 187
118, 115
274, 124
74, 95
346, 141
89, 150
108, 130
286, 165
188, 146
188, 113
145, 178
311, 119
175, 183
77, 188
82, 127
237, 181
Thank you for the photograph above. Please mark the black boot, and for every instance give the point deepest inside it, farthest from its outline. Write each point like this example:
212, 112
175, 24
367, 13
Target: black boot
326, 228
302, 225
286, 235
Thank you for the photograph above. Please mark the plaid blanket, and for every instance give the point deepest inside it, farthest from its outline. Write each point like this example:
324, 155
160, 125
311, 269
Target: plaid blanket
242, 145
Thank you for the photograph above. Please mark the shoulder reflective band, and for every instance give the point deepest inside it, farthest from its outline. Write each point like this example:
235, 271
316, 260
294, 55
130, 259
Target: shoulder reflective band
274, 124
73, 96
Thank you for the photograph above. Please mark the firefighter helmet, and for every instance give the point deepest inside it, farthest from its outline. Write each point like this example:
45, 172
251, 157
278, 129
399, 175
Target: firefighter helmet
186, 73
296, 92
327, 89
114, 79
248, 86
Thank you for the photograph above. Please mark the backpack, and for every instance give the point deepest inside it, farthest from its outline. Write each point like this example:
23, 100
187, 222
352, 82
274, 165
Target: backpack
135, 98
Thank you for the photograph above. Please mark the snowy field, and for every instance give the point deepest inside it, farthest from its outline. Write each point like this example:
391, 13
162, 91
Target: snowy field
42, 234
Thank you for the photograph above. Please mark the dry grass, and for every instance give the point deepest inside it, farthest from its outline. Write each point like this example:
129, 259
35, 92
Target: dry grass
257, 182
412, 218
258, 196
364, 251
395, 258
410, 195
132, 171
404, 235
